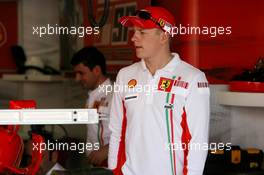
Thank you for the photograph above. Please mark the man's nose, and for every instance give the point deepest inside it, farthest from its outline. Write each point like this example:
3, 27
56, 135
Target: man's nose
134, 37
77, 77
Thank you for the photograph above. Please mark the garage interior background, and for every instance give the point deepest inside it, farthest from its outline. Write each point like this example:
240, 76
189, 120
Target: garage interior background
221, 57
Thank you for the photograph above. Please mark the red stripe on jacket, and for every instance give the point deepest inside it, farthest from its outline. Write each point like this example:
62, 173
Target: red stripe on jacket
121, 156
186, 138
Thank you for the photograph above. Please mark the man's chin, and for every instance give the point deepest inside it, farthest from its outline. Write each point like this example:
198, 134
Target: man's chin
84, 86
139, 55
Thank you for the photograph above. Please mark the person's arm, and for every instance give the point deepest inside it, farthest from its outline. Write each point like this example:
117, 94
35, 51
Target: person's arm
99, 156
197, 116
105, 122
116, 122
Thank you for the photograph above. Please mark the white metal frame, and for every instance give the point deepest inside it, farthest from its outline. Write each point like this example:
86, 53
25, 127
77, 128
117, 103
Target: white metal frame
48, 116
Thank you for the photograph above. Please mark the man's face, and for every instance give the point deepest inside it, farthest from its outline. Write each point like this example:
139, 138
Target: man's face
85, 76
146, 42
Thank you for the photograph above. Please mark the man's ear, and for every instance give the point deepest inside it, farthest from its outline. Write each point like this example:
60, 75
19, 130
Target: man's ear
164, 37
97, 70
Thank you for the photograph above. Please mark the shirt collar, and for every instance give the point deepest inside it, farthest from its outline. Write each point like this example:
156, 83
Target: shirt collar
143, 64
170, 67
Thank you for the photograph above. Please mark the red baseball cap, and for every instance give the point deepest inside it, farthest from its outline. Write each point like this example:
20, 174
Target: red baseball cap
150, 17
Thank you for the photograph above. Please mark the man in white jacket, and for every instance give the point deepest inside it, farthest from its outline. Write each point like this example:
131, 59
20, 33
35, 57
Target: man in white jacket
90, 70
159, 130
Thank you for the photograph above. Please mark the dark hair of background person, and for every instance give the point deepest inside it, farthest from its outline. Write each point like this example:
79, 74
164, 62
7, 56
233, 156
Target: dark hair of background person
90, 57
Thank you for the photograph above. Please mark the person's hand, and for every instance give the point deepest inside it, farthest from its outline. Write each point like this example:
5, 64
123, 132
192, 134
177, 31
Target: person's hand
97, 157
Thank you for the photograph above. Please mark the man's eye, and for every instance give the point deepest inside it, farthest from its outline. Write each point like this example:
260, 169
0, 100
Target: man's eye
80, 73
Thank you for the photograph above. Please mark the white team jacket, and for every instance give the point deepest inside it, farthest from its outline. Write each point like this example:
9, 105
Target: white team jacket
151, 130
99, 134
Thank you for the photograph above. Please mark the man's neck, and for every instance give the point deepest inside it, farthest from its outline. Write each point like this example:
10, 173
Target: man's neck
158, 61
100, 81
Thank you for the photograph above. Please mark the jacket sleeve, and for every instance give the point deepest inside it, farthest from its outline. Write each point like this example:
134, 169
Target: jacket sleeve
106, 111
115, 126
197, 116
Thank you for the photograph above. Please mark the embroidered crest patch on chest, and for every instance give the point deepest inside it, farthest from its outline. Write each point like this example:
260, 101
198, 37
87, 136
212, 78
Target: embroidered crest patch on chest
165, 84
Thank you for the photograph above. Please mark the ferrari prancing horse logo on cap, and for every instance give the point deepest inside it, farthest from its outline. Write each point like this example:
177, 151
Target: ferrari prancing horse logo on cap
132, 83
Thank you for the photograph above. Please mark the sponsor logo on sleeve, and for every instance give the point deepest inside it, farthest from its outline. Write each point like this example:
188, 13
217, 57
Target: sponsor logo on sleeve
202, 85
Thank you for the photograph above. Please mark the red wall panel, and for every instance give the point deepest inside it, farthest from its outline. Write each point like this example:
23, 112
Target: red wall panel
224, 55
8, 33
246, 43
